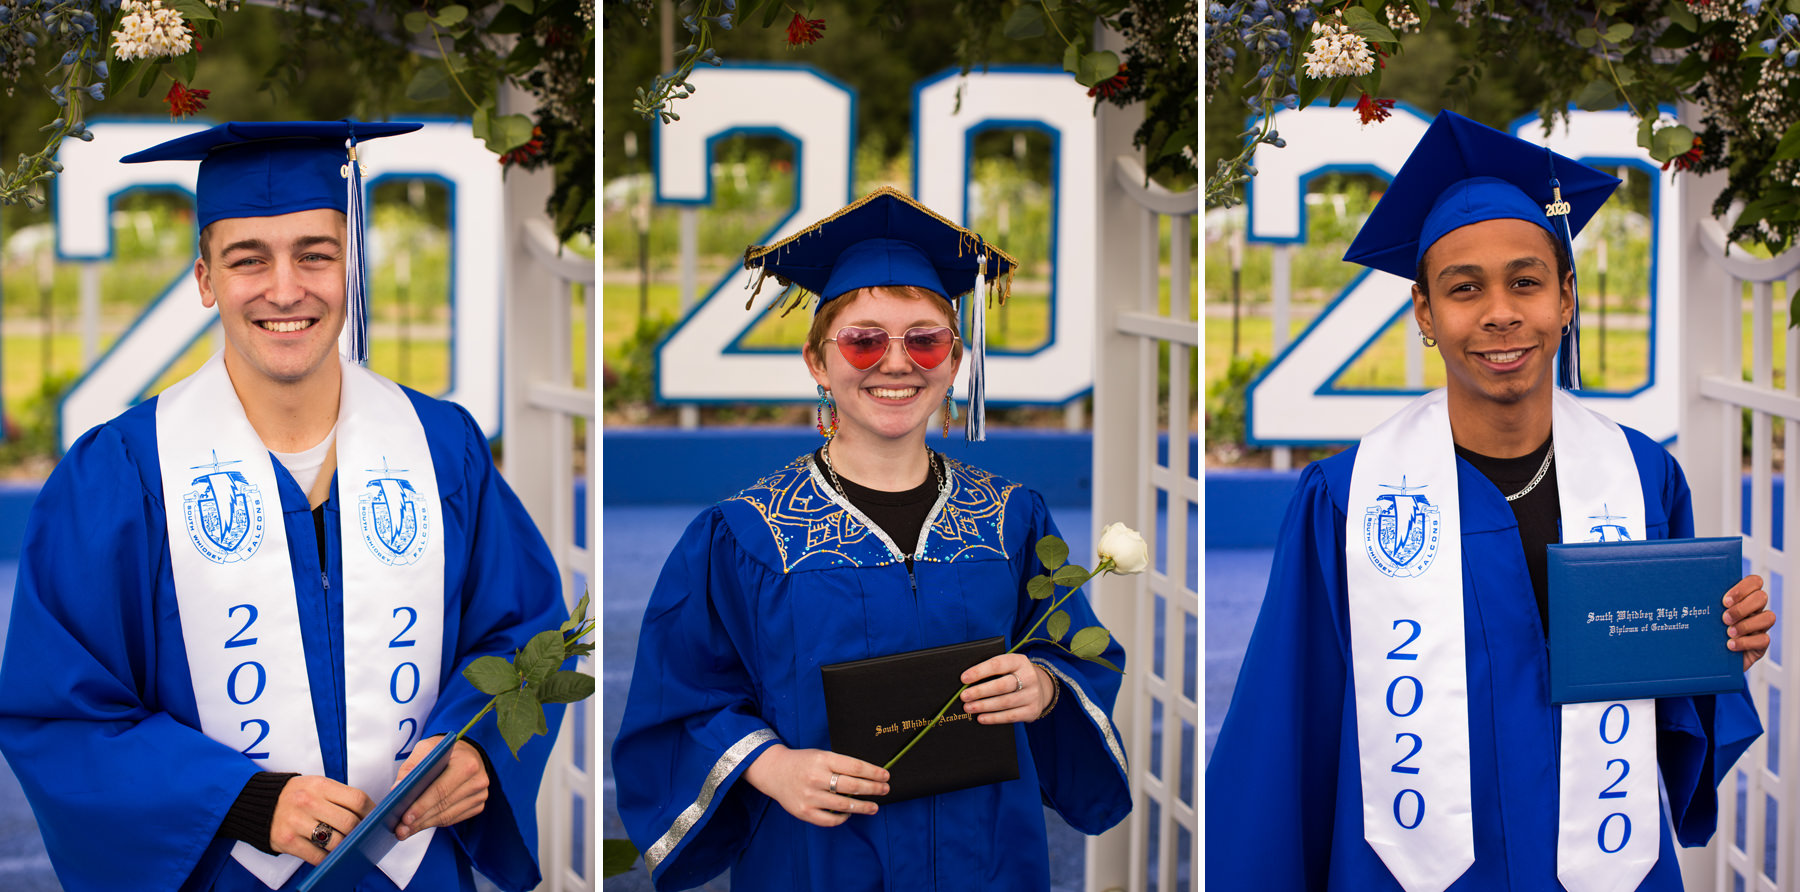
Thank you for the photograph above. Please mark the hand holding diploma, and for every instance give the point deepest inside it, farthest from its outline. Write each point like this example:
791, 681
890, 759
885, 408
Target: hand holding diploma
308, 803
458, 794
1748, 619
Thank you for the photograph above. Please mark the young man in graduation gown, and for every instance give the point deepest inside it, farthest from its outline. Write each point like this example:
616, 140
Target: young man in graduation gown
244, 606
1392, 727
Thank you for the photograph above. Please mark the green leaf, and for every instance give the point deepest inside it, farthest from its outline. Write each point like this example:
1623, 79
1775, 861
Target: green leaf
192, 10
1619, 32
1052, 5
774, 10
1310, 88
1598, 95
510, 19
1678, 13
1793, 5
1026, 22
524, 6
1646, 127
1039, 587
564, 686
1071, 58
431, 82
540, 657
578, 615
1053, 551
1058, 625
1069, 576
1422, 9
416, 21
1090, 642
1587, 37
518, 715
492, 675
450, 16
1789, 147
584, 648
148, 81
1671, 141
1105, 662
1096, 67
1366, 26
508, 132
1338, 89
185, 66
616, 857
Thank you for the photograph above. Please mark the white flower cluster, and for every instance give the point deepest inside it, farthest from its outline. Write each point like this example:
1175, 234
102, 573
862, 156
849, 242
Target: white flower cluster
1336, 51
148, 30
1712, 10
225, 5
1465, 12
1402, 17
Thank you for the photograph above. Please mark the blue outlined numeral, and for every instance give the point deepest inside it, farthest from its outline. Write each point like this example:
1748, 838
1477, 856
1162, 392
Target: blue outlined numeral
238, 640
1624, 837
1624, 723
1418, 811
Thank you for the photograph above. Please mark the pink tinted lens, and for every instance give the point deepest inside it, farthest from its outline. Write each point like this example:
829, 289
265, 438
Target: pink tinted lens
929, 347
862, 347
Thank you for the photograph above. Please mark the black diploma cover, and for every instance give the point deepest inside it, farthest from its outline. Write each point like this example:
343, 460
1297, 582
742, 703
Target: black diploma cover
355, 855
876, 706
1639, 620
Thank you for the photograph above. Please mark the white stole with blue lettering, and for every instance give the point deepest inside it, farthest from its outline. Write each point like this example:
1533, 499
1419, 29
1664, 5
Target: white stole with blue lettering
236, 594
1403, 551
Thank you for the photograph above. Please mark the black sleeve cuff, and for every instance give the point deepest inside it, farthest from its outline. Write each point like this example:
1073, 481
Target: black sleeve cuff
252, 816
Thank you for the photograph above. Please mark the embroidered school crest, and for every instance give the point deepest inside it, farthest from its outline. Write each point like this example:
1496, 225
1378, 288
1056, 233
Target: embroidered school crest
1401, 530
1609, 528
224, 513
393, 518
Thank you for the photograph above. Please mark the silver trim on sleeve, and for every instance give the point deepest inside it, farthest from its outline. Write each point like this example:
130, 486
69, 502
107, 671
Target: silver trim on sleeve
721, 769
1094, 713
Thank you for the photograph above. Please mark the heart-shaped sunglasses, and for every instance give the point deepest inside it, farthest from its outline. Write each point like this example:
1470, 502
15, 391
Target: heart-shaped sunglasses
864, 348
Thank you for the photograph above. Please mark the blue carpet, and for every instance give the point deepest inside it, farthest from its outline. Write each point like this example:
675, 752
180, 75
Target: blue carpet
636, 543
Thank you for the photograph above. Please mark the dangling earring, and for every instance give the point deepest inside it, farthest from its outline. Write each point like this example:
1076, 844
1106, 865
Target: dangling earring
826, 403
1426, 339
949, 409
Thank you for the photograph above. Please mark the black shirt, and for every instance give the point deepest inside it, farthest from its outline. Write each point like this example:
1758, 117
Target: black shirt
901, 515
1539, 512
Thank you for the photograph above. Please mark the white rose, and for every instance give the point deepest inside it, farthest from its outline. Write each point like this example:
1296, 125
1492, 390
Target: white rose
1125, 547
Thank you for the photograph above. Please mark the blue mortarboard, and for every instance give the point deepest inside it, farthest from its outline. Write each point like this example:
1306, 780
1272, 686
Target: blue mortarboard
1462, 172
887, 238
270, 168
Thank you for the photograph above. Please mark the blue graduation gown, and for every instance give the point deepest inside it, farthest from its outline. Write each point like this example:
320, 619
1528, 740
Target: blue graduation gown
97, 713
768, 586
1284, 789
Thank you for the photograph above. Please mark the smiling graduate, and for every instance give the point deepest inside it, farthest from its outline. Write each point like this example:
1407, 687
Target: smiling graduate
244, 605
1392, 727
871, 545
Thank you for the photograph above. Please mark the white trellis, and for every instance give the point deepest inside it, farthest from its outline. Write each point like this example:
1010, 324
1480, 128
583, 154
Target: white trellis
548, 404
1759, 809
1156, 616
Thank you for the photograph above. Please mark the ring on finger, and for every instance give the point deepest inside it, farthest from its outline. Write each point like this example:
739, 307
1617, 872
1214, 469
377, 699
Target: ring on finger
321, 835
833, 787
1020, 682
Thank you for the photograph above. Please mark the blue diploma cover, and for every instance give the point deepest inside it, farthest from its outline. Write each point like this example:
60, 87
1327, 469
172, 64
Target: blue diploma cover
373, 837
1639, 620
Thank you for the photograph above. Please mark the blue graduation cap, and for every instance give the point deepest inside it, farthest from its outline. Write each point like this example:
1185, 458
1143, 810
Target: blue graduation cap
886, 238
270, 168
1462, 172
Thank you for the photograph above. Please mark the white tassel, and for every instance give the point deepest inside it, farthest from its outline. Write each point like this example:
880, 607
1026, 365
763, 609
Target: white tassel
356, 274
975, 423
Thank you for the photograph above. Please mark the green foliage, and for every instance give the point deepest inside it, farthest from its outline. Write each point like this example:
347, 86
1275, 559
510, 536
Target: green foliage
521, 687
633, 381
1225, 416
617, 856
1053, 552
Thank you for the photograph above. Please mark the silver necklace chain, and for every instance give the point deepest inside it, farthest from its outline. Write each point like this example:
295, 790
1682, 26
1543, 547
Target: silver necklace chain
930, 459
1542, 470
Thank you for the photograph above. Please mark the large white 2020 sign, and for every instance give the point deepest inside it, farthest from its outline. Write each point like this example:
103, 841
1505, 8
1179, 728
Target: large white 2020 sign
703, 360
1294, 401
445, 151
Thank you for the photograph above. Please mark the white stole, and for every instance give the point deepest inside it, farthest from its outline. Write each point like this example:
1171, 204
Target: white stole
1403, 550
235, 589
